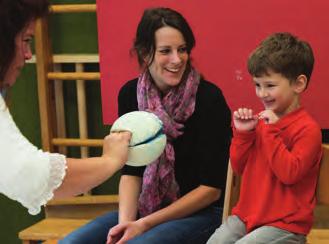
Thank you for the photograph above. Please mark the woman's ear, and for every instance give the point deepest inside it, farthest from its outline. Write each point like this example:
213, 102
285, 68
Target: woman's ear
300, 84
144, 55
148, 57
146, 60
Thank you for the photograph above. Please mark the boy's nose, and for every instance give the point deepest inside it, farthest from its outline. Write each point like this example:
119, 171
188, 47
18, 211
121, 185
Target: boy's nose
262, 93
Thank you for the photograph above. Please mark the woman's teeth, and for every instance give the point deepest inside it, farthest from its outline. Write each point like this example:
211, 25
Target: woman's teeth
172, 70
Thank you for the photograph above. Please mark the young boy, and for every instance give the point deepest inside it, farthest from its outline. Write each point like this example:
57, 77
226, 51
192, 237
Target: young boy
277, 151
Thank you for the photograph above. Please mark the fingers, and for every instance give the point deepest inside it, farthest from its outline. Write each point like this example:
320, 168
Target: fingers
124, 239
116, 234
116, 148
116, 230
243, 113
119, 136
126, 134
123, 133
262, 115
268, 116
112, 239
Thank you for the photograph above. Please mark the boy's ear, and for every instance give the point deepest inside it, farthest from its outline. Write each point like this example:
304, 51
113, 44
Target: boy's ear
300, 83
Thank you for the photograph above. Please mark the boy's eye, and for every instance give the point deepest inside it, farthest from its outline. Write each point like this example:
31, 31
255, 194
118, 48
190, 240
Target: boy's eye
257, 85
270, 85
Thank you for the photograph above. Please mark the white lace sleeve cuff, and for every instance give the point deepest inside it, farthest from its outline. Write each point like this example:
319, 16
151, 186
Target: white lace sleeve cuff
27, 175
57, 171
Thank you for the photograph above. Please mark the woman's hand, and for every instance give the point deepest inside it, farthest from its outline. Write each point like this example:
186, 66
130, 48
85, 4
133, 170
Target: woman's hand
124, 232
244, 119
115, 148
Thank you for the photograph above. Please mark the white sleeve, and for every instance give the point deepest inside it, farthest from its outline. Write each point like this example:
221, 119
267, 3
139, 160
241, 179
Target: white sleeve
27, 175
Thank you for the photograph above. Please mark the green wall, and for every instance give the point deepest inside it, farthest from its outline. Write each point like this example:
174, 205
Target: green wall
70, 33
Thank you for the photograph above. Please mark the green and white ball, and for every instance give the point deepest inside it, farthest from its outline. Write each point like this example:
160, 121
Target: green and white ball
147, 142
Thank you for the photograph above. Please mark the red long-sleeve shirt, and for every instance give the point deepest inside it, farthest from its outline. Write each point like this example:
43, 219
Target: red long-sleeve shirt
279, 164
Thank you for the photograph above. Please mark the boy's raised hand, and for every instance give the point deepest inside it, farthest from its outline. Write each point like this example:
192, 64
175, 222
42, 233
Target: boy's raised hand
244, 119
268, 116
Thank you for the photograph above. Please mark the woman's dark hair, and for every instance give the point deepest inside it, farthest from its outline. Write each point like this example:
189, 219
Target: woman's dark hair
152, 20
14, 16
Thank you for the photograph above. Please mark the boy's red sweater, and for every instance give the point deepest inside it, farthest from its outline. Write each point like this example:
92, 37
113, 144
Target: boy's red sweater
279, 164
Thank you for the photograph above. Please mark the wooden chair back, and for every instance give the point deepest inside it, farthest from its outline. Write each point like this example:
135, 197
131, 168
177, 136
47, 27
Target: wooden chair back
232, 192
322, 192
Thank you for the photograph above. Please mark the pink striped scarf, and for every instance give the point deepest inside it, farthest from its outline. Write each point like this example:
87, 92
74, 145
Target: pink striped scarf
159, 187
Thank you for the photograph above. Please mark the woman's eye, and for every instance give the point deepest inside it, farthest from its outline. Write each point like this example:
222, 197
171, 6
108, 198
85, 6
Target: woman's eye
182, 50
28, 40
164, 51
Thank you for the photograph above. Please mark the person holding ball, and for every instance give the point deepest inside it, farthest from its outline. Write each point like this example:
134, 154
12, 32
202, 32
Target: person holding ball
31, 176
178, 198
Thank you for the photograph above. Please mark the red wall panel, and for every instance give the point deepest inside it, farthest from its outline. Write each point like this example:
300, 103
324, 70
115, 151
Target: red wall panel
226, 32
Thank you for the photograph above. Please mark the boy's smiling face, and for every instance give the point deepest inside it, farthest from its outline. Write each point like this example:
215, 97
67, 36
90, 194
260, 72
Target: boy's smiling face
279, 94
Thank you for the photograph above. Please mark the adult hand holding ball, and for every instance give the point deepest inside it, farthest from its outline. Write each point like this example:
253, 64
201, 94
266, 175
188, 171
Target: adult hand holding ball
147, 141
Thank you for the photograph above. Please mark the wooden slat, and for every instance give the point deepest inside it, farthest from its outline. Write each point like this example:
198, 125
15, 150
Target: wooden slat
228, 193
89, 211
82, 207
73, 75
70, 58
96, 199
318, 236
51, 228
60, 110
76, 58
323, 182
44, 65
232, 191
320, 231
76, 142
73, 8
321, 216
53, 241
82, 110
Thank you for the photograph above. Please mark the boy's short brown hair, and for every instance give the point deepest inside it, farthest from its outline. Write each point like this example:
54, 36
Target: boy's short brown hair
282, 53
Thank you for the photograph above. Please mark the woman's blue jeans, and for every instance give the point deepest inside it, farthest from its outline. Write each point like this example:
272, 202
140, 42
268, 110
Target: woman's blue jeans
196, 228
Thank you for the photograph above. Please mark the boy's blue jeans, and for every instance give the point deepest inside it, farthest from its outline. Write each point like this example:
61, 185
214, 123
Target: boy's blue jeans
196, 229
